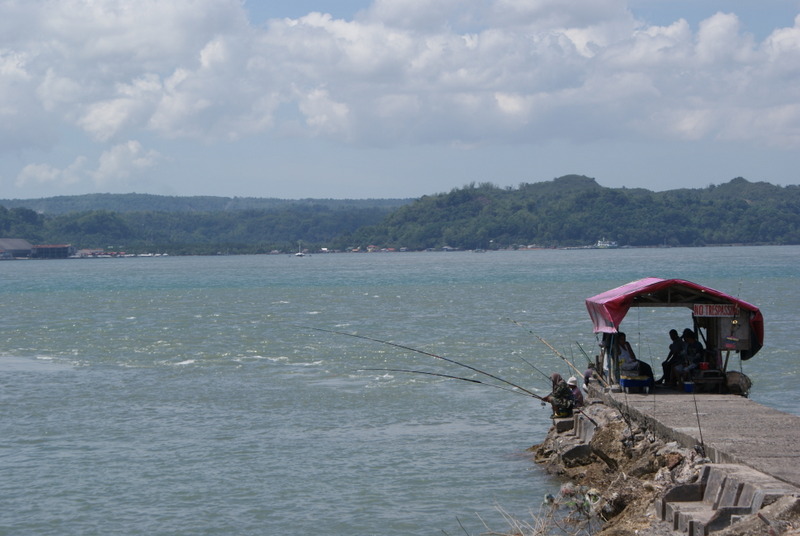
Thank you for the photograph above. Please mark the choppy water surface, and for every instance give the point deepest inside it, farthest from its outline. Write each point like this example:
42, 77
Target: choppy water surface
186, 394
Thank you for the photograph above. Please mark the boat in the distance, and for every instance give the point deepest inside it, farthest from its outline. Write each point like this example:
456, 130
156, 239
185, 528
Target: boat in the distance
605, 244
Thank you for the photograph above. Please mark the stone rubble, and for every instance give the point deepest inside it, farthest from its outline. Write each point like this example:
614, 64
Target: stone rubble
626, 468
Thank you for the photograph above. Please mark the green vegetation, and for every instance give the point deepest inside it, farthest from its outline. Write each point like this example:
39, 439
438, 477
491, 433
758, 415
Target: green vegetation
185, 233
162, 203
575, 210
568, 211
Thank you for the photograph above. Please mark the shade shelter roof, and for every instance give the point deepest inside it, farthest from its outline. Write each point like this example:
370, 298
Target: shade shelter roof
607, 309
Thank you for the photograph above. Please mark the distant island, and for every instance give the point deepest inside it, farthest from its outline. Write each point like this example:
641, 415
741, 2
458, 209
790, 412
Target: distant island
569, 211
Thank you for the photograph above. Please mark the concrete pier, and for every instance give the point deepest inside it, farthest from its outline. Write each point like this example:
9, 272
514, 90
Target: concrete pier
752, 484
732, 429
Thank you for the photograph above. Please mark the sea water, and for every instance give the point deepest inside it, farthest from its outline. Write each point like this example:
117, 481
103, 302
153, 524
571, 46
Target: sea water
194, 395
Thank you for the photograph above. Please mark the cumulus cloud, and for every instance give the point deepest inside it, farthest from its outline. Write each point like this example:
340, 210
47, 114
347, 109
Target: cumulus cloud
122, 160
420, 15
44, 174
477, 71
323, 114
113, 167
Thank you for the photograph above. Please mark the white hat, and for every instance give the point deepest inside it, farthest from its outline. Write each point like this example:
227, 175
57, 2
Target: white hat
572, 380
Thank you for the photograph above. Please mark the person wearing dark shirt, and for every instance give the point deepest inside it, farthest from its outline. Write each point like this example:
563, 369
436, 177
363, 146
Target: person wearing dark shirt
628, 362
692, 356
676, 350
572, 382
561, 398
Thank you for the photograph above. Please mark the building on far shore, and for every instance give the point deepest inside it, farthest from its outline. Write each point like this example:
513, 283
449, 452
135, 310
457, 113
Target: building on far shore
53, 251
19, 248
15, 248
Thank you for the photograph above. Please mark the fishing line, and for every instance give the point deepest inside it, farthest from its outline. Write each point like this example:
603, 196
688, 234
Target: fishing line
699, 429
423, 352
650, 349
653, 392
471, 380
559, 354
556, 352
545, 376
588, 359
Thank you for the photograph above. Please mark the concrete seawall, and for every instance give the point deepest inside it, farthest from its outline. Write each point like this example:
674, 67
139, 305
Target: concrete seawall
670, 462
732, 429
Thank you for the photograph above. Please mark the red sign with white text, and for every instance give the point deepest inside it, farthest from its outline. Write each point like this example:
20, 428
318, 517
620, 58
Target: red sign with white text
715, 309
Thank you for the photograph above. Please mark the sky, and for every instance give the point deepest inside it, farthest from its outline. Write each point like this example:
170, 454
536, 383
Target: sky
365, 99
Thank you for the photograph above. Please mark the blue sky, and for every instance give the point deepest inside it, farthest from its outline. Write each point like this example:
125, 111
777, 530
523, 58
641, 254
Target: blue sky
393, 98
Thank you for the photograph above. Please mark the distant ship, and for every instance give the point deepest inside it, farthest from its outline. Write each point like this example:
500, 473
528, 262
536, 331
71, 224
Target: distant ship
605, 244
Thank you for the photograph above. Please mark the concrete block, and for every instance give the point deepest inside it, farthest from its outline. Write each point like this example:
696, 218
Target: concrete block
766, 496
580, 426
714, 486
685, 493
695, 528
680, 513
748, 496
577, 455
660, 506
671, 512
564, 425
722, 518
690, 515
584, 428
731, 492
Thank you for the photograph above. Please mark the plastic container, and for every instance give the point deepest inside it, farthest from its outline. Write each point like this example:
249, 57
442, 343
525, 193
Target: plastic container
688, 387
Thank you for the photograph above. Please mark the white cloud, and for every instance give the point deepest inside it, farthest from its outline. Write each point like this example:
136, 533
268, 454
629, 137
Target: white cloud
106, 118
12, 66
402, 71
720, 42
38, 173
44, 174
113, 168
121, 161
55, 90
420, 15
323, 114
554, 14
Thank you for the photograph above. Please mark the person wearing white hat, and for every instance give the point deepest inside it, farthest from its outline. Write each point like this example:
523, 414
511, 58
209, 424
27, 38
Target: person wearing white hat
572, 382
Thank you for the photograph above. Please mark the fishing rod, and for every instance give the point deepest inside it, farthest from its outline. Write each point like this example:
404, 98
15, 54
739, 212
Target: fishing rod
702, 446
423, 352
525, 360
589, 359
591, 363
559, 354
545, 376
471, 380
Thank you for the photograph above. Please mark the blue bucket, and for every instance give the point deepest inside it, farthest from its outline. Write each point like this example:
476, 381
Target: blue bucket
688, 387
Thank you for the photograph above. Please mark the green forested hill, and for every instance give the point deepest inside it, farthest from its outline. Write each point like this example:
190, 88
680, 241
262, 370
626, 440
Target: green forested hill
567, 211
162, 203
241, 231
575, 210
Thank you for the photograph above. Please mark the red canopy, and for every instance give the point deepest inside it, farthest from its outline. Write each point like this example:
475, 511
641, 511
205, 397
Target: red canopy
609, 308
